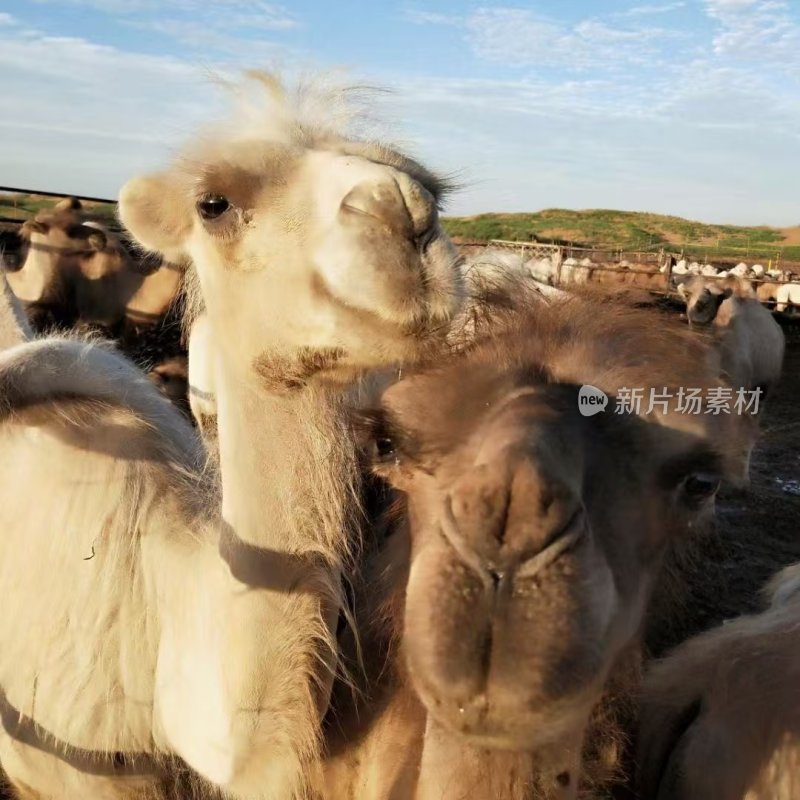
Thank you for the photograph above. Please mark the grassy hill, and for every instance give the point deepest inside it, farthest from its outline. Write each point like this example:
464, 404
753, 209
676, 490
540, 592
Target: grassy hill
626, 230
24, 206
629, 230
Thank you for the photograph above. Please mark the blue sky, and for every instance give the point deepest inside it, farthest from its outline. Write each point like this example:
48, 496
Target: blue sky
689, 107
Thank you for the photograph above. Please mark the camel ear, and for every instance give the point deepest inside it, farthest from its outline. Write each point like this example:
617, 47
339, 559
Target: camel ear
721, 297
68, 204
97, 240
34, 226
156, 214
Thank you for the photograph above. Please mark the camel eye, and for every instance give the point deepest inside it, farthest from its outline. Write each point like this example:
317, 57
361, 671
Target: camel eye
699, 487
384, 448
212, 206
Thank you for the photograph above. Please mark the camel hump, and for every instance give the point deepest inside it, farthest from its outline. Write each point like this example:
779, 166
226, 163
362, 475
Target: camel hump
38, 373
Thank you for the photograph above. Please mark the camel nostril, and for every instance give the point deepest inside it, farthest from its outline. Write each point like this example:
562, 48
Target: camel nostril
562, 540
497, 577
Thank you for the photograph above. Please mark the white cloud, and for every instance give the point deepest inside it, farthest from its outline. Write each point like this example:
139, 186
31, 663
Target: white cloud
664, 8
421, 17
757, 30
6, 19
518, 37
82, 117
270, 16
208, 39
77, 116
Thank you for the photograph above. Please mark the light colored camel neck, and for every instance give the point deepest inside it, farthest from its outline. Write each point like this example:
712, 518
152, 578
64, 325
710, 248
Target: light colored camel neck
286, 463
14, 328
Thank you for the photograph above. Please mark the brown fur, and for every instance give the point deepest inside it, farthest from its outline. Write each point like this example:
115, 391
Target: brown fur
434, 418
74, 271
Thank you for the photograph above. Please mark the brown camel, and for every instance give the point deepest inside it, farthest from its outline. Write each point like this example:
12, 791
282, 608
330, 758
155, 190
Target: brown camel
721, 714
500, 606
73, 271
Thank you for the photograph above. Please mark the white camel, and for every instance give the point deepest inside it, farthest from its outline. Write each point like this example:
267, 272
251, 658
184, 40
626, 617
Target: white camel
788, 295
150, 609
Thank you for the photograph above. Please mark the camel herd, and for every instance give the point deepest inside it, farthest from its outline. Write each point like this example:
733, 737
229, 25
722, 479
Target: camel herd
391, 559
777, 288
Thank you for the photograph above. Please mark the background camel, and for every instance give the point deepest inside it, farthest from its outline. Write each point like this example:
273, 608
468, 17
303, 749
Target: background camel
506, 593
74, 270
788, 296
750, 343
721, 714
186, 613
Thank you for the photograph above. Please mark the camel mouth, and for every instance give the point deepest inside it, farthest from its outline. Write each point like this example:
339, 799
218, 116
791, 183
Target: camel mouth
511, 663
420, 318
485, 725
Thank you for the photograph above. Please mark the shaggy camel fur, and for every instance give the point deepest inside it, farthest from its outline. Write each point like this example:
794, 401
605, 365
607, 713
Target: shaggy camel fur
74, 270
178, 613
507, 592
721, 714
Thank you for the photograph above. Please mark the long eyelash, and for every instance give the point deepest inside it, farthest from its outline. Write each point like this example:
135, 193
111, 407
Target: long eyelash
367, 421
700, 460
378, 424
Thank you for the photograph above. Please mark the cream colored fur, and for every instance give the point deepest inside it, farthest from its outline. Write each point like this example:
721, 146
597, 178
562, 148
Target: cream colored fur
202, 398
203, 626
14, 327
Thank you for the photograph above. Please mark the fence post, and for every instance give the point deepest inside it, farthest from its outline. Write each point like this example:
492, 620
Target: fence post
558, 268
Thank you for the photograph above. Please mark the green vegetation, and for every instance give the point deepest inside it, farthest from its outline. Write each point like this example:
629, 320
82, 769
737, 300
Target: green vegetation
24, 206
627, 230
624, 230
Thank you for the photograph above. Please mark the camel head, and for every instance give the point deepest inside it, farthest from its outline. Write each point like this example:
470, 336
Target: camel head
61, 245
536, 531
703, 299
309, 245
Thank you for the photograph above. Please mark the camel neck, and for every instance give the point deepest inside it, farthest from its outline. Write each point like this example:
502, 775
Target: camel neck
286, 464
14, 328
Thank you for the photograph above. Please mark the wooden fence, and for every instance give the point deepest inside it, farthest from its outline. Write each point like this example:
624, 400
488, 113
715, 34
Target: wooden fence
655, 282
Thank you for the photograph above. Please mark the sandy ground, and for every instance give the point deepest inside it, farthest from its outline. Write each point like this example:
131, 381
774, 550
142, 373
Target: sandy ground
757, 530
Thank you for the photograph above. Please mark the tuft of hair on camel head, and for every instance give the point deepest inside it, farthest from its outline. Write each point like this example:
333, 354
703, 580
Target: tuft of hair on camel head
292, 191
537, 529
